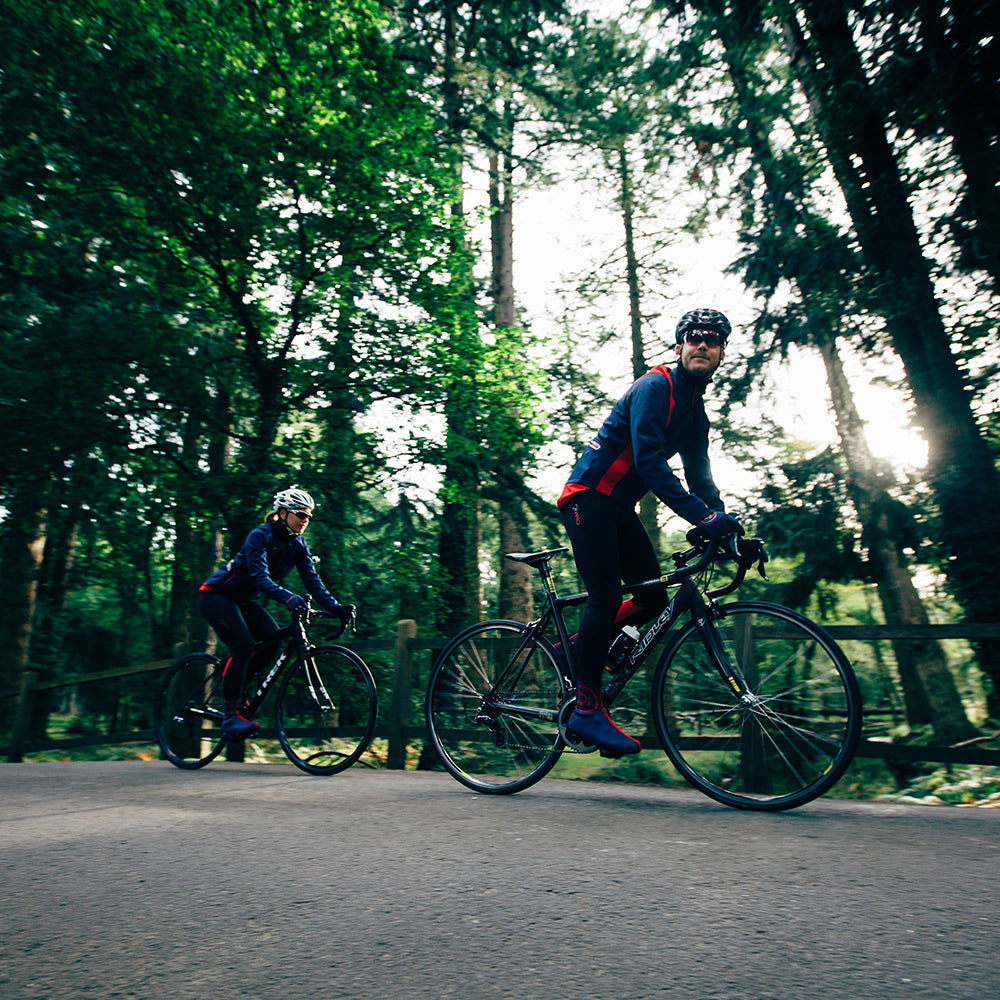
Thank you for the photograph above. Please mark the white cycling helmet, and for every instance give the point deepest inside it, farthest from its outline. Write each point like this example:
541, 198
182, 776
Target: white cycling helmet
293, 499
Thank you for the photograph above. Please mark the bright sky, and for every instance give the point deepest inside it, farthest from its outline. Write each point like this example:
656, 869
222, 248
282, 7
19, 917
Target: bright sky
551, 229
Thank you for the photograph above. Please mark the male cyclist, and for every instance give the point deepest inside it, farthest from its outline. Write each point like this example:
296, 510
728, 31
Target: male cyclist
227, 597
661, 415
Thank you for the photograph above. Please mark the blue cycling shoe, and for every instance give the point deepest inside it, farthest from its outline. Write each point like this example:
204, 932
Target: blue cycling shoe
235, 727
597, 728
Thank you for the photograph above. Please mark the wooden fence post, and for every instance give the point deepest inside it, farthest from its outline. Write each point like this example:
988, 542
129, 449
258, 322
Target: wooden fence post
399, 707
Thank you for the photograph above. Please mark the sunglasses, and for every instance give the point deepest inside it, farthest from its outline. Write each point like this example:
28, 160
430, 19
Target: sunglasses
302, 515
703, 337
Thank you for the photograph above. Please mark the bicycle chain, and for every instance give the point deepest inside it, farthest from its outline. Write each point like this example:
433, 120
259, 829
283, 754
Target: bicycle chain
509, 697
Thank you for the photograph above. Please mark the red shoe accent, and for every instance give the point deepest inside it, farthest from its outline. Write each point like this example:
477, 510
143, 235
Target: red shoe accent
598, 728
236, 727
587, 700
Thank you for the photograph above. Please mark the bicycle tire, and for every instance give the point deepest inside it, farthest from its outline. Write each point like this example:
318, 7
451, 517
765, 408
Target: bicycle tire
187, 716
785, 743
326, 710
495, 745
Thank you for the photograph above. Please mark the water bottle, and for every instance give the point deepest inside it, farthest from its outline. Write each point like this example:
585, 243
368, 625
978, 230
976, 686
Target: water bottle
622, 645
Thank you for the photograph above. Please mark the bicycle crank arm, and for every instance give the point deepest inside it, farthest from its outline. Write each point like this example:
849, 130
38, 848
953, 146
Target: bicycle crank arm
201, 713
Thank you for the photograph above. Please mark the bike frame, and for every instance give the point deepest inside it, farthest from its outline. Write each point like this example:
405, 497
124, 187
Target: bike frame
292, 640
688, 598
754, 704
284, 639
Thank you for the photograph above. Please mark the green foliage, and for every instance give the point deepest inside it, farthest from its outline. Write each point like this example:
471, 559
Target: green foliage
805, 513
225, 230
960, 786
230, 232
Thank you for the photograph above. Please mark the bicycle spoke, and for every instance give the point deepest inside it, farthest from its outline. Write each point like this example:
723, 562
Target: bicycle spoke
492, 708
786, 737
326, 711
188, 711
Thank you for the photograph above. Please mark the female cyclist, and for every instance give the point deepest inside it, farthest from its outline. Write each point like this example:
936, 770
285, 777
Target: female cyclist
227, 599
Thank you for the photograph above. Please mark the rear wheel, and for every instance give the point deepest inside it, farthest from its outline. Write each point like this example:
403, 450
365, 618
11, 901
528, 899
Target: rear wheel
188, 713
492, 708
790, 731
326, 710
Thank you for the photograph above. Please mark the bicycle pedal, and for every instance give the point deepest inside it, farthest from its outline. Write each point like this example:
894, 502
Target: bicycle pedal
237, 740
612, 756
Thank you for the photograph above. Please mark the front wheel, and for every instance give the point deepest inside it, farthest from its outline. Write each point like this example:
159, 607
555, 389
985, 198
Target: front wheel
187, 717
326, 710
492, 707
789, 731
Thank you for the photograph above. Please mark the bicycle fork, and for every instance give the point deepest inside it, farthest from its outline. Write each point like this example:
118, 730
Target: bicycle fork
687, 598
732, 674
314, 682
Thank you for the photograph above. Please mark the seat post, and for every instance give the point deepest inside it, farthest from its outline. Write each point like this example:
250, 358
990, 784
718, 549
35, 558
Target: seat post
545, 571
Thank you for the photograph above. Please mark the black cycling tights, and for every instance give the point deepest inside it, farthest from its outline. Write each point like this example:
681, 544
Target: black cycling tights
239, 626
609, 545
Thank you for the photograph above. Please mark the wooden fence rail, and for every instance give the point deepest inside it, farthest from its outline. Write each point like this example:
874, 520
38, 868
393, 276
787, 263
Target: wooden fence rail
395, 726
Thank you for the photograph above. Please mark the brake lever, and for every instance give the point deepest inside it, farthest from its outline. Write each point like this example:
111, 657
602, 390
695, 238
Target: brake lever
761, 560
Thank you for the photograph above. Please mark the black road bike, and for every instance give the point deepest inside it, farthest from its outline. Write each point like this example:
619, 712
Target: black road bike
754, 704
325, 707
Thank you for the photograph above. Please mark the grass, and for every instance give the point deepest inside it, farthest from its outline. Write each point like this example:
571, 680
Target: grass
955, 786
866, 779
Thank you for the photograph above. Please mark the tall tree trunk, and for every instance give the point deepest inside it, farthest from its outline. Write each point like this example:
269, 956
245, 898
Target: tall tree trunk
459, 542
649, 506
516, 601
23, 545
219, 455
515, 596
341, 446
458, 550
929, 689
501, 193
961, 467
187, 566
48, 645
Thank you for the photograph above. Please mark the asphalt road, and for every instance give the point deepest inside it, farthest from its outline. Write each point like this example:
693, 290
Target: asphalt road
137, 880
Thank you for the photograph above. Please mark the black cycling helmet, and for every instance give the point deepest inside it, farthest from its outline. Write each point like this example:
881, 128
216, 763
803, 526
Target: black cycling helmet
704, 319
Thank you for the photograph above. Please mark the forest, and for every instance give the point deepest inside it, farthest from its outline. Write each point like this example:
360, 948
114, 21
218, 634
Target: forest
248, 244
